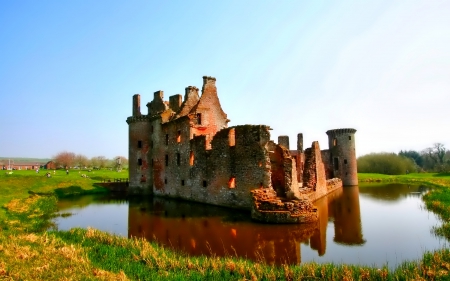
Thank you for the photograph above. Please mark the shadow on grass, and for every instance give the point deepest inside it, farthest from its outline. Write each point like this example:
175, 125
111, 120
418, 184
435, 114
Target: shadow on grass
73, 190
99, 178
446, 174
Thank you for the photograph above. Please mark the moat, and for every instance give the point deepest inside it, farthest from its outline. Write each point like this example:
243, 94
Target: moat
369, 225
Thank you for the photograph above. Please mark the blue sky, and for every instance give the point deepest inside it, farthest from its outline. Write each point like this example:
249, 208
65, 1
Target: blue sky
69, 69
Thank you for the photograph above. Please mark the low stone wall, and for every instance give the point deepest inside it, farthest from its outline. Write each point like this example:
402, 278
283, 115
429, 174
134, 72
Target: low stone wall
332, 185
269, 208
115, 186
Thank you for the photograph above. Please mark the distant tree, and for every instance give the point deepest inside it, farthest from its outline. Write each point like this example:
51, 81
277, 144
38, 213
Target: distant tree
413, 155
109, 163
99, 162
81, 161
435, 157
94, 162
385, 163
64, 159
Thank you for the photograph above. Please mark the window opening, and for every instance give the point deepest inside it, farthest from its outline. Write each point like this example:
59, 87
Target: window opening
349, 137
345, 161
167, 160
179, 136
139, 144
182, 182
204, 184
191, 158
232, 137
336, 163
140, 162
334, 142
165, 180
199, 118
232, 182
167, 139
178, 159
151, 129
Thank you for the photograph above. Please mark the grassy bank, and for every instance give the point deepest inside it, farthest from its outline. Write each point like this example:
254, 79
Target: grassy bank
437, 179
28, 252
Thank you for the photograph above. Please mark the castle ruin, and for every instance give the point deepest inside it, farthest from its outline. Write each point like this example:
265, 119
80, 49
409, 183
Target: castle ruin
183, 148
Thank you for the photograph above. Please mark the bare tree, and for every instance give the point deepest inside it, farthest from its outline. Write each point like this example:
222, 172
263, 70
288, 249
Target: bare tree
94, 162
435, 156
64, 159
99, 162
81, 160
439, 150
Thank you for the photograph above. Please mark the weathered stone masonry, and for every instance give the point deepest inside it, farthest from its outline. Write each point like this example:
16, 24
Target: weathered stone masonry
183, 148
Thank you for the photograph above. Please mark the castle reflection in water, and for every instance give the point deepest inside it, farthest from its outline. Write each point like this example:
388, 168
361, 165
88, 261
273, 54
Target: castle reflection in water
199, 229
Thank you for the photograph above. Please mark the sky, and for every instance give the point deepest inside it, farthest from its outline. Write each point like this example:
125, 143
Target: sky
69, 69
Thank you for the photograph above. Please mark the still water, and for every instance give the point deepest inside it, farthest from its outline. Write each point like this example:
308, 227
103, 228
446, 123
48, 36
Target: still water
369, 225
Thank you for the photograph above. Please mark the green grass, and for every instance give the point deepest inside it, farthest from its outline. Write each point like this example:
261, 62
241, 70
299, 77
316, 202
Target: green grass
20, 184
29, 252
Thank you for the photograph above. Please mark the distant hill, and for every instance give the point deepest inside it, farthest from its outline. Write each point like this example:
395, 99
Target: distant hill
28, 160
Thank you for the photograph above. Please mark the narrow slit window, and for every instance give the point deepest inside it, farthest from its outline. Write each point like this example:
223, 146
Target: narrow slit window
179, 136
178, 159
232, 182
167, 160
336, 163
139, 144
199, 118
334, 142
345, 161
205, 184
349, 137
140, 162
182, 182
165, 180
191, 158
232, 137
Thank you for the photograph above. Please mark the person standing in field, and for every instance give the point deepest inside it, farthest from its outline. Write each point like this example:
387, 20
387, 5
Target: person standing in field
67, 171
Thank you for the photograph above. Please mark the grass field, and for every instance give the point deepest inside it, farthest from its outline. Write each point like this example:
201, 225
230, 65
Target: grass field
28, 252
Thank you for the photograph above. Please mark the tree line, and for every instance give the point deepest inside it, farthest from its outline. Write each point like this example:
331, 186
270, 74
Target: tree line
67, 159
431, 159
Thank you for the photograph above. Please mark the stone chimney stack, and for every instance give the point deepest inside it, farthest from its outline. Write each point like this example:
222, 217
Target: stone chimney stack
190, 91
175, 102
158, 95
136, 105
284, 141
209, 85
300, 143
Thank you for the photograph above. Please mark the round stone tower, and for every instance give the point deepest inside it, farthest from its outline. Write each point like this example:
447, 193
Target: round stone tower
138, 147
341, 143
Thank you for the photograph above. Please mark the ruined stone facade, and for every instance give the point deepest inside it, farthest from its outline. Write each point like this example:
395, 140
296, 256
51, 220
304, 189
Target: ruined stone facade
183, 148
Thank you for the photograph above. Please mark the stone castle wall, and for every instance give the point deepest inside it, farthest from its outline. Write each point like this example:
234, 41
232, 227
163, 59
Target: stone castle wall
184, 149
